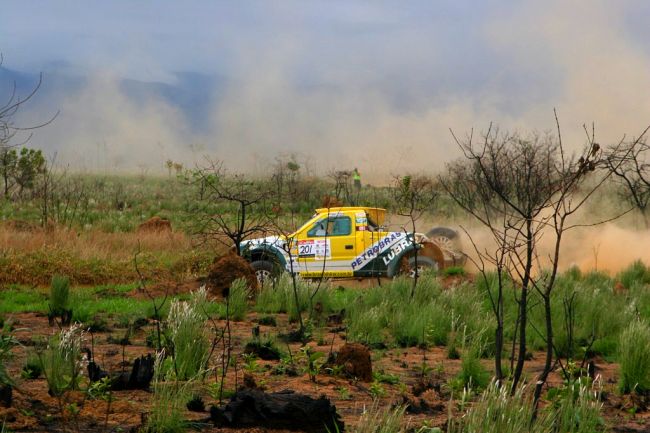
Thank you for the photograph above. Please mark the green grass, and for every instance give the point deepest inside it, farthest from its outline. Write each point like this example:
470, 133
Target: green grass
22, 300
634, 358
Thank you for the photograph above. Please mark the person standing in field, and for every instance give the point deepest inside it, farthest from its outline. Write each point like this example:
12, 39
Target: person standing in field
356, 177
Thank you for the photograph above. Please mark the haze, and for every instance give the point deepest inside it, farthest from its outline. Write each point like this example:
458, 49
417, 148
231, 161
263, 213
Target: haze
340, 84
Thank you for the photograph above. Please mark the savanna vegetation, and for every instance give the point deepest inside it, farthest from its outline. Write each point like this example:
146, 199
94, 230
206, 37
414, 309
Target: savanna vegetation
110, 319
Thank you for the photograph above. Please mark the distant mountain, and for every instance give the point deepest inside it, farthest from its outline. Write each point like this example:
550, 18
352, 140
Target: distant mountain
193, 93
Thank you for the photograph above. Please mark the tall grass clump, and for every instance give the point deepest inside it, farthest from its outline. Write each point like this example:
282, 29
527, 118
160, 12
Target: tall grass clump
382, 420
497, 411
238, 300
191, 346
60, 295
168, 402
280, 298
634, 358
472, 372
582, 318
367, 325
577, 409
61, 362
572, 409
423, 319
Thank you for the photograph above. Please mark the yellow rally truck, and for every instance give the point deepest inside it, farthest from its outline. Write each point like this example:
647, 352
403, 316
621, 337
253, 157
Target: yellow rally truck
350, 242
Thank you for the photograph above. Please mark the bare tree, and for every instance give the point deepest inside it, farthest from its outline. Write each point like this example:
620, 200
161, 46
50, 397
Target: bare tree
413, 196
342, 186
19, 168
631, 170
233, 206
520, 188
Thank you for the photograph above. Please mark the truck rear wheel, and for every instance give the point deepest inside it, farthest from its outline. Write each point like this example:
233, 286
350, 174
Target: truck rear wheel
424, 264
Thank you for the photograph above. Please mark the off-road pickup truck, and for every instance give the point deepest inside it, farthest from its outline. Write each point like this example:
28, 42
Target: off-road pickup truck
345, 242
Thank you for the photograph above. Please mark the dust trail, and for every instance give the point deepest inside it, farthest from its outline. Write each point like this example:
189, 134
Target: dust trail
608, 247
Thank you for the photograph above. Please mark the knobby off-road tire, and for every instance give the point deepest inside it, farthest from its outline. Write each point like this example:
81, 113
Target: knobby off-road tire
424, 263
266, 271
445, 237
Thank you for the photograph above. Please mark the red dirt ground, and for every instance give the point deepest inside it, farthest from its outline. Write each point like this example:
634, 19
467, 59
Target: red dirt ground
35, 411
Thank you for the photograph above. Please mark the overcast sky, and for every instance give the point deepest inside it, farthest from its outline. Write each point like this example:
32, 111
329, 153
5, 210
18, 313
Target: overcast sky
368, 83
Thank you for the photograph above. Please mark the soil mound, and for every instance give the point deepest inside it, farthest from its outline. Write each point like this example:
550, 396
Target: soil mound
156, 224
355, 359
227, 269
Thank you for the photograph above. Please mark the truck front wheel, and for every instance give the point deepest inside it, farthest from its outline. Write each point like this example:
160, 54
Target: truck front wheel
265, 271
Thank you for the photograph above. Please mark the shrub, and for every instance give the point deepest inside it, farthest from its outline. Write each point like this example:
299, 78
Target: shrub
634, 358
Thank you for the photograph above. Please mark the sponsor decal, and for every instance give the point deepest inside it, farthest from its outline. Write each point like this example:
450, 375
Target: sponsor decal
317, 248
395, 250
379, 247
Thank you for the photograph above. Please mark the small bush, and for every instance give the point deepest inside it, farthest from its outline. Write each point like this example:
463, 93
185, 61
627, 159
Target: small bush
634, 358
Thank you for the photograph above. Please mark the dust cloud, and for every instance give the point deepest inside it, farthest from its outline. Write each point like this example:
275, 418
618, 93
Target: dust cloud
383, 105
609, 247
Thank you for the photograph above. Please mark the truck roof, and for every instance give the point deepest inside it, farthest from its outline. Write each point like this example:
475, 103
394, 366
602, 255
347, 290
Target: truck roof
376, 214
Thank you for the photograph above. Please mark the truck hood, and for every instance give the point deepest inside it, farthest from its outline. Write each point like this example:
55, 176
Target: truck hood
275, 241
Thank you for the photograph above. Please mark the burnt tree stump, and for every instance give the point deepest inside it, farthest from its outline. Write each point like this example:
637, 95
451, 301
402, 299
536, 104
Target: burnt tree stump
278, 410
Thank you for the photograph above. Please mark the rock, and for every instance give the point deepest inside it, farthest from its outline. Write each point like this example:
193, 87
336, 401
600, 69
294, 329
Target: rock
355, 359
278, 410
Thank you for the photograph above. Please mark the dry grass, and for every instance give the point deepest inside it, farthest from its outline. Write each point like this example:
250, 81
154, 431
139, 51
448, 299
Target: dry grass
92, 244
96, 257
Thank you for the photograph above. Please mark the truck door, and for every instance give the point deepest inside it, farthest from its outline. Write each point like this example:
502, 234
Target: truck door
331, 241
